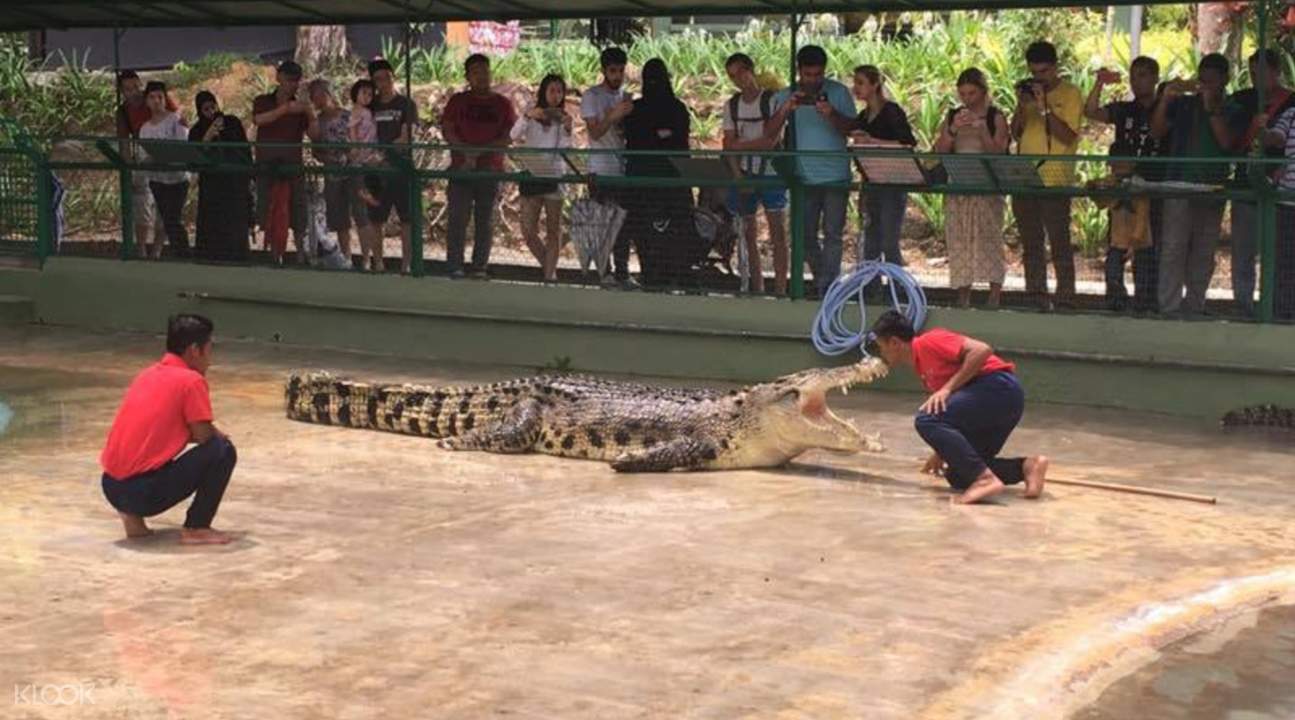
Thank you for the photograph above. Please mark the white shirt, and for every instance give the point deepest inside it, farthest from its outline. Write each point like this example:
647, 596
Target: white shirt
597, 101
170, 127
533, 134
749, 126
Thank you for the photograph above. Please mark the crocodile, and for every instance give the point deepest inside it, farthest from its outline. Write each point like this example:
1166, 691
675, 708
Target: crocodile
1272, 416
635, 427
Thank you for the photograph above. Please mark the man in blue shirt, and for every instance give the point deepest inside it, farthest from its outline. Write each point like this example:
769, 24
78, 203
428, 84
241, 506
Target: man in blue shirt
821, 114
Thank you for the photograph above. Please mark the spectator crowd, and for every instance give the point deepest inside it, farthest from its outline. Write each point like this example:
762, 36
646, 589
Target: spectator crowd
1171, 242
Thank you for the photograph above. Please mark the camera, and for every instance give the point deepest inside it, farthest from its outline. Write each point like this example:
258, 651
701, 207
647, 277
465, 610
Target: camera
1026, 86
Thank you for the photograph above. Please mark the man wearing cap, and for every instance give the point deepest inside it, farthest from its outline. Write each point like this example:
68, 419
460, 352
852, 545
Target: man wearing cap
975, 404
280, 193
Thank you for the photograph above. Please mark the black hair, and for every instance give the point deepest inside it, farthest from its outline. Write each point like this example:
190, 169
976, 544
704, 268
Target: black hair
360, 85
1216, 62
475, 59
1270, 57
186, 329
290, 69
125, 75
612, 56
811, 56
739, 59
542, 97
1041, 52
1149, 63
973, 76
891, 324
155, 86
377, 66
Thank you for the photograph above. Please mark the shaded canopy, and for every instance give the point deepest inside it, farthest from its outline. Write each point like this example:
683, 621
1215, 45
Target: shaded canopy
64, 14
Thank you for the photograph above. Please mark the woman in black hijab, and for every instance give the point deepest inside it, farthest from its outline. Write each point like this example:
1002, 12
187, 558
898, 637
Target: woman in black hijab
224, 195
660, 220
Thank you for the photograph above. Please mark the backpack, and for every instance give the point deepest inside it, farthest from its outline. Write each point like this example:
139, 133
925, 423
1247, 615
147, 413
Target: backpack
766, 102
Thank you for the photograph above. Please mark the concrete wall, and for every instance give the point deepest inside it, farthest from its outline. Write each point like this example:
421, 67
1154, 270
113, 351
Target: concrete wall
1193, 369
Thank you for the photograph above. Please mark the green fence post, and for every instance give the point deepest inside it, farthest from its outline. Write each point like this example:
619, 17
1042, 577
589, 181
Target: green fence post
797, 190
127, 214
44, 210
415, 221
797, 219
1265, 200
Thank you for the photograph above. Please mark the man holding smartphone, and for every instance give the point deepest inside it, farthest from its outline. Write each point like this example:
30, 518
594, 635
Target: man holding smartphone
1132, 121
822, 114
1196, 119
1046, 122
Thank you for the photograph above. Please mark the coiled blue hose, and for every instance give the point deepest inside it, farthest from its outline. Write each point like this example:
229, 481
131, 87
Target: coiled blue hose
833, 336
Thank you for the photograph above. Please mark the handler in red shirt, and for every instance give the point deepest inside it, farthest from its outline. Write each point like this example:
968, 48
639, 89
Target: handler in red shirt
975, 403
166, 407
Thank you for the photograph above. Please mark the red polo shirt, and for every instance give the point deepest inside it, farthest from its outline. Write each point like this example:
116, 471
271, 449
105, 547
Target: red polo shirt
152, 424
937, 356
479, 120
290, 128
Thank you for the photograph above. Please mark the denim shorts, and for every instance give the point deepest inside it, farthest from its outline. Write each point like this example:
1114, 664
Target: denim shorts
745, 204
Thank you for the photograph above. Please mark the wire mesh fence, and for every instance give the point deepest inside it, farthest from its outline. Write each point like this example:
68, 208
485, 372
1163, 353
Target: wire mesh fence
974, 230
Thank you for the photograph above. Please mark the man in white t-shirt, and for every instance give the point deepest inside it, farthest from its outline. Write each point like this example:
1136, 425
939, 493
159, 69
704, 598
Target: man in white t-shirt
745, 115
603, 107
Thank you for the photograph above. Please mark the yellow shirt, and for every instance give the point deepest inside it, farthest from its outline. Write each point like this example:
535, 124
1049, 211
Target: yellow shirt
1067, 104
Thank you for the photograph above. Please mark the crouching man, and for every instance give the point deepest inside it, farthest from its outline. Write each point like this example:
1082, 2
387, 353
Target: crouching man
975, 403
167, 407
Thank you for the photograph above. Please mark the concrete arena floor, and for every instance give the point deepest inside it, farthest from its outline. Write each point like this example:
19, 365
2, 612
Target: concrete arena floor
378, 577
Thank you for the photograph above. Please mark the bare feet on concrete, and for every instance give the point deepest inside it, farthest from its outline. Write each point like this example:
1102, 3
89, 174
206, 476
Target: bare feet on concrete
135, 527
985, 486
1036, 472
204, 536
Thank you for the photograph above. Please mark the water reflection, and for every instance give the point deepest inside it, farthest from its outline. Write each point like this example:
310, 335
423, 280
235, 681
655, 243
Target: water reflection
1241, 671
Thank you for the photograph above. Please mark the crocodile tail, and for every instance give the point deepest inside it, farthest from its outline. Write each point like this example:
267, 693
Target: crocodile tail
1261, 416
326, 399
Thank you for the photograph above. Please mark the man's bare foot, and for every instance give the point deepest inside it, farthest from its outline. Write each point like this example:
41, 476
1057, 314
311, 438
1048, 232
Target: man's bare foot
980, 490
204, 536
135, 527
1036, 471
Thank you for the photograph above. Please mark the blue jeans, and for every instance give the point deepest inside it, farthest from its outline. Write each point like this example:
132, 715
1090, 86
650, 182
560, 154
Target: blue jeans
972, 430
203, 472
885, 210
824, 206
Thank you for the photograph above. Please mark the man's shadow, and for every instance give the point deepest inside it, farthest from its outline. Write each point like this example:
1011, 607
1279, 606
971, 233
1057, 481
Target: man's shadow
166, 541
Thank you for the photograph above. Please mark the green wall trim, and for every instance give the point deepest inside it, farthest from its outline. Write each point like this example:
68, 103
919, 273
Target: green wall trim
1196, 369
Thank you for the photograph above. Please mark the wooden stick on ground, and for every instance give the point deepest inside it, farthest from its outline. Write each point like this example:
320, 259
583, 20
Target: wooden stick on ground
1135, 490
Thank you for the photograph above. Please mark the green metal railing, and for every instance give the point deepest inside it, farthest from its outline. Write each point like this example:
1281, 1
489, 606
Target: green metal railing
25, 165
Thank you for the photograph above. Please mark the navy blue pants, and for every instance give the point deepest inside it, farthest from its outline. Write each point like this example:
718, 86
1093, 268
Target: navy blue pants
969, 434
203, 472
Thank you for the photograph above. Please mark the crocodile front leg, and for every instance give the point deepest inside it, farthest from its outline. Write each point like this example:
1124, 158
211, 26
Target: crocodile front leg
515, 433
685, 453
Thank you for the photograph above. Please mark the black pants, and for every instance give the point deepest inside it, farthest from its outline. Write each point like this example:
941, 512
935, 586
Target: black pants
972, 430
1146, 271
475, 199
203, 471
170, 199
